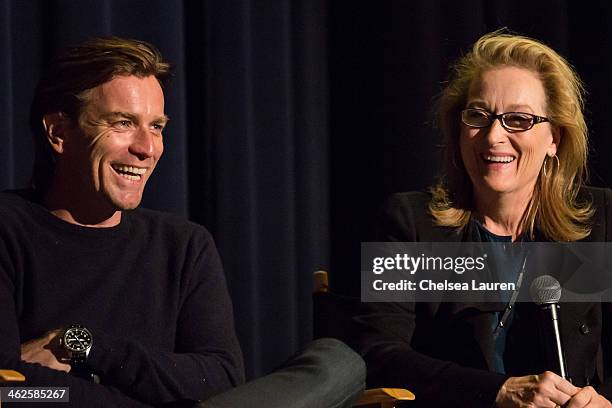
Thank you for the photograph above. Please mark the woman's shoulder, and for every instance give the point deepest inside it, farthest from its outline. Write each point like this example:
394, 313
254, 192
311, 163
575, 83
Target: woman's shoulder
415, 202
405, 216
601, 202
599, 196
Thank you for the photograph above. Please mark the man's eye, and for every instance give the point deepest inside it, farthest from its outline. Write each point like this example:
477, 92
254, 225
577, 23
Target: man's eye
123, 123
158, 127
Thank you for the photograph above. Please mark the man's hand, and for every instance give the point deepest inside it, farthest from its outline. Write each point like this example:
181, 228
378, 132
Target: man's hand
46, 351
547, 390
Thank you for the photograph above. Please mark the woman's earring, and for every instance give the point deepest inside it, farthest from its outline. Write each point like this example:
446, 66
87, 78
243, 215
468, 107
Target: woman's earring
546, 161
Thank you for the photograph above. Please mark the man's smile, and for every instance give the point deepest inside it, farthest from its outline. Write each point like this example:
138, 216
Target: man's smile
129, 172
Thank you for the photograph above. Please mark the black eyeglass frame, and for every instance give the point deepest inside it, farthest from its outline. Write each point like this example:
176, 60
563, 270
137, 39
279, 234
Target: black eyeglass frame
492, 117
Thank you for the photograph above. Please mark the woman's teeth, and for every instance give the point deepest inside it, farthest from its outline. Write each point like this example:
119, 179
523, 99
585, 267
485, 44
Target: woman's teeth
499, 159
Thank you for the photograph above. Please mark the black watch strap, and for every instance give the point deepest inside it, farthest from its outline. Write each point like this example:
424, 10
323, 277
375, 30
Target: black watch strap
77, 341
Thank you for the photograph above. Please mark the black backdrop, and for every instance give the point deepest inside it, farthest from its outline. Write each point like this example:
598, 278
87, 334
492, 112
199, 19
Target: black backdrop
291, 119
388, 62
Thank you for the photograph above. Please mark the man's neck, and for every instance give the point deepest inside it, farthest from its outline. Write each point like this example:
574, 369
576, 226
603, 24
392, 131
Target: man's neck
61, 202
93, 222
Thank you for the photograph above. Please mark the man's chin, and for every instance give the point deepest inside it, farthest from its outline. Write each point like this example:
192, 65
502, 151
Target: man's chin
126, 203
128, 206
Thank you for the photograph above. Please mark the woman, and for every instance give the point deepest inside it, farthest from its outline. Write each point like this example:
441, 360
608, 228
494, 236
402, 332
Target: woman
516, 148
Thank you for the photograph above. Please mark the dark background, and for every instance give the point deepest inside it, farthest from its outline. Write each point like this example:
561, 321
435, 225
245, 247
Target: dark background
291, 120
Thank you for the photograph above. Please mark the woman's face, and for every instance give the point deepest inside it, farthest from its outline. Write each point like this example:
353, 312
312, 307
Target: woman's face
500, 162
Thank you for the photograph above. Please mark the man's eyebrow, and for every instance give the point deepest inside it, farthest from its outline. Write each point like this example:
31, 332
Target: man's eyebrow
119, 114
162, 119
115, 115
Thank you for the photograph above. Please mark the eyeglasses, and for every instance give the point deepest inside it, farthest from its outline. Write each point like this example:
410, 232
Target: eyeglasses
511, 121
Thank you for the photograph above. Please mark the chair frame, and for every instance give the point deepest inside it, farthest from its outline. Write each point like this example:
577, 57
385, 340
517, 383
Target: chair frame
381, 397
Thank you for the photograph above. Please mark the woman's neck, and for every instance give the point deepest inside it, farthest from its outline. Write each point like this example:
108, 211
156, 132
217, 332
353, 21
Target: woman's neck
503, 214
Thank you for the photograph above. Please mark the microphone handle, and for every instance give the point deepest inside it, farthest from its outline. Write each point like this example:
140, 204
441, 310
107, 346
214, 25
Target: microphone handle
560, 357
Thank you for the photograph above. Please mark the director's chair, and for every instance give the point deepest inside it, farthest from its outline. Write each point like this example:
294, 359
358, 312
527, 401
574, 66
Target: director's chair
332, 314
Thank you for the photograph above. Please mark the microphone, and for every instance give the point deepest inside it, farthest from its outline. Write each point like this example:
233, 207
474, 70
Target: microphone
545, 291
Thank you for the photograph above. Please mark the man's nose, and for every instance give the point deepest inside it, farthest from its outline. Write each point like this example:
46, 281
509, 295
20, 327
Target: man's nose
143, 143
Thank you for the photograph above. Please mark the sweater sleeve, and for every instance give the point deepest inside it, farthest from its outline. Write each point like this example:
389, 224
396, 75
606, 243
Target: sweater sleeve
81, 392
388, 329
202, 357
207, 359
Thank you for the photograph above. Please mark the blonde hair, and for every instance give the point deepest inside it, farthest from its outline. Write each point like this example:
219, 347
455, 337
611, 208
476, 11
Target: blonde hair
554, 210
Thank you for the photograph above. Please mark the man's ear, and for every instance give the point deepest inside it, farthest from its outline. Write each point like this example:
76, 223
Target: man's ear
56, 126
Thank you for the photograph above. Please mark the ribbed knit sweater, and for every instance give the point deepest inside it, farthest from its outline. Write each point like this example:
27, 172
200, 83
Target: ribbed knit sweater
151, 290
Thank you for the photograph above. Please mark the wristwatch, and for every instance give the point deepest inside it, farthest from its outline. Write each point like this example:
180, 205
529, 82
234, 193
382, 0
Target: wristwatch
77, 341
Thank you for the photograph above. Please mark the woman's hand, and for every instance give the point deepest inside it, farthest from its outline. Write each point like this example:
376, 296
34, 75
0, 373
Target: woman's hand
589, 398
546, 390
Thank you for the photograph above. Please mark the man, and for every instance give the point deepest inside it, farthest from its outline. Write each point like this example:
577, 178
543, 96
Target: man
124, 306
147, 287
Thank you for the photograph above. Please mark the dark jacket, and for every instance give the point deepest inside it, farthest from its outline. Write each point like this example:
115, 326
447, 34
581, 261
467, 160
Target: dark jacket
443, 352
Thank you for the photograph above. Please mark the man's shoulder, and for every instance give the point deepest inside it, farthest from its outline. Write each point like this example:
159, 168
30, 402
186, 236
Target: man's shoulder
16, 196
16, 201
167, 223
171, 235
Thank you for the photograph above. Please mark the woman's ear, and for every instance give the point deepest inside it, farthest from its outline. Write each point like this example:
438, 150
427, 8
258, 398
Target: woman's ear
56, 125
556, 139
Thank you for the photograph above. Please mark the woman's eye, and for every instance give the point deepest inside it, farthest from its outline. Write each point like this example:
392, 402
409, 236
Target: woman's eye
478, 115
517, 120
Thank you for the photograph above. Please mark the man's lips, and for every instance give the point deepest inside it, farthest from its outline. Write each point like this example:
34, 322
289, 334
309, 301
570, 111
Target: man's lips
134, 173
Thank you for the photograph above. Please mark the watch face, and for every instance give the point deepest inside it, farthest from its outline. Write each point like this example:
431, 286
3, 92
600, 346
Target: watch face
77, 339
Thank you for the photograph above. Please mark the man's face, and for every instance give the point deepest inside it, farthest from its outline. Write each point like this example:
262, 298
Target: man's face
117, 143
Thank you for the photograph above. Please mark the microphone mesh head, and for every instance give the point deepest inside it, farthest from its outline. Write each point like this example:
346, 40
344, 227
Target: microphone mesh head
545, 289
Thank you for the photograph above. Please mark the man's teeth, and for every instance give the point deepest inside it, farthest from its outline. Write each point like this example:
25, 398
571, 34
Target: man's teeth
499, 159
129, 176
129, 172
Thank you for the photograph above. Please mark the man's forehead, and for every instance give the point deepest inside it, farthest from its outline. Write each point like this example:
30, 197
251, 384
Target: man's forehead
130, 85
137, 95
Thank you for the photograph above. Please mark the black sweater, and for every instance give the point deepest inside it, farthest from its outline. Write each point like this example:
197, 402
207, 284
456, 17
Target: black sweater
151, 290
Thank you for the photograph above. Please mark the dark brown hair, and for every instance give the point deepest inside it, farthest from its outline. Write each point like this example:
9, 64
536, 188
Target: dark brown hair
74, 71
